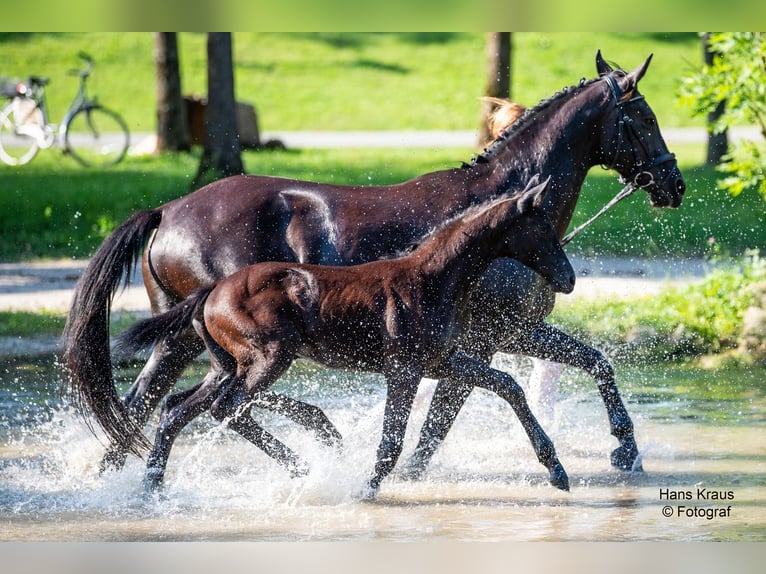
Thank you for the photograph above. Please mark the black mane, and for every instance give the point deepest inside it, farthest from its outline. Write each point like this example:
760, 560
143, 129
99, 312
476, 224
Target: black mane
526, 118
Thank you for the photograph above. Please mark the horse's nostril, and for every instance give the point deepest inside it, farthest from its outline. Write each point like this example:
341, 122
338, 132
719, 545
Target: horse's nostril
680, 186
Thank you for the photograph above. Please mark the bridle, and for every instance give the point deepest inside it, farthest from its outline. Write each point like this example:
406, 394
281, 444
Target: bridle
641, 177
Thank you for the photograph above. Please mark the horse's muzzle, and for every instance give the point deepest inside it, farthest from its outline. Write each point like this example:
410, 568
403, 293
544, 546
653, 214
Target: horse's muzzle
668, 192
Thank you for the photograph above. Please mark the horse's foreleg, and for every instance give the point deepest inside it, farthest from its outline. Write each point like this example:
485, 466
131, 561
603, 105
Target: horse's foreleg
165, 365
547, 342
402, 387
475, 373
309, 416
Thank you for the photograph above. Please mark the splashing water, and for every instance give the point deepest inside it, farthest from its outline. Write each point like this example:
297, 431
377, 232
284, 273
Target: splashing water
484, 483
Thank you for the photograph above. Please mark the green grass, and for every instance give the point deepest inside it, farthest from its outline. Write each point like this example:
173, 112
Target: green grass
29, 324
348, 81
52, 208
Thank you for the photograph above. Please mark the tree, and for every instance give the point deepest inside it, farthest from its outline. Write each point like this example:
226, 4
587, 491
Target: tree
717, 141
221, 152
172, 125
736, 79
498, 83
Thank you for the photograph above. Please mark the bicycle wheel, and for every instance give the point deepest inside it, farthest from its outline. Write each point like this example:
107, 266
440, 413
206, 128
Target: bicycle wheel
18, 145
96, 137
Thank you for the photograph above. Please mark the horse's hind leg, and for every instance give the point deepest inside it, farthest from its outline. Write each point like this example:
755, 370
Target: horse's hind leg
165, 365
471, 371
550, 343
178, 411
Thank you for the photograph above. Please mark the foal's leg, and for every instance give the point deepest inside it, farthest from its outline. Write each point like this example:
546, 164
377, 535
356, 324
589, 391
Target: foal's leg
309, 416
448, 398
259, 369
402, 388
473, 372
547, 342
165, 365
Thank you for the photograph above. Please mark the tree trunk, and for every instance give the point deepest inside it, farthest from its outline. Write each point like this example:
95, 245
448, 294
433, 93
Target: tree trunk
172, 128
221, 151
498, 84
717, 143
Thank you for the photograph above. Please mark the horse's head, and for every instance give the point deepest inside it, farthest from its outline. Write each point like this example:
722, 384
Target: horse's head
631, 142
535, 243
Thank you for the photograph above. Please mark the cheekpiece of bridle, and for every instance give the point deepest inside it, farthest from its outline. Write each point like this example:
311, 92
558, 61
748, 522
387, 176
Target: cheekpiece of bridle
641, 178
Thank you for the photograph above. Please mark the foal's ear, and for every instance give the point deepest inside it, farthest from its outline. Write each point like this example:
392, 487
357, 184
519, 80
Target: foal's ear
533, 197
602, 67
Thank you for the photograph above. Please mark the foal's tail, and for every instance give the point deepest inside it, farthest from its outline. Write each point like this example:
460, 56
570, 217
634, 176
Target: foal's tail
86, 334
148, 332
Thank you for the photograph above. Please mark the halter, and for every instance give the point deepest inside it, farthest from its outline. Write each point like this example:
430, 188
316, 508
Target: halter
641, 179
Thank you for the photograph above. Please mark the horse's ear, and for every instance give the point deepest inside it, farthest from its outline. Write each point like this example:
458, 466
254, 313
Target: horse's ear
602, 67
636, 75
533, 197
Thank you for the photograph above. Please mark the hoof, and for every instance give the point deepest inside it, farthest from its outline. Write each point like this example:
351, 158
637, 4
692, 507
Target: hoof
559, 477
370, 493
414, 469
626, 458
153, 481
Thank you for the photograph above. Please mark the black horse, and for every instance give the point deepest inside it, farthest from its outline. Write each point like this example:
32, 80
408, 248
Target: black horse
399, 317
198, 239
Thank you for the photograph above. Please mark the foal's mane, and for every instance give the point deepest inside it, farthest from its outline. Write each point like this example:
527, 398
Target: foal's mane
526, 118
470, 211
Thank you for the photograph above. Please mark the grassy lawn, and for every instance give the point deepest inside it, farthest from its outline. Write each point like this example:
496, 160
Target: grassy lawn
348, 81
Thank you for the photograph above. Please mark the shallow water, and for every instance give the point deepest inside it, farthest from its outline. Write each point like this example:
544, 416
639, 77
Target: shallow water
700, 433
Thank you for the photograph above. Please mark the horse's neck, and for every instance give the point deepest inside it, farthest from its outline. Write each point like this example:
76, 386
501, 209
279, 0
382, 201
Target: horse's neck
560, 143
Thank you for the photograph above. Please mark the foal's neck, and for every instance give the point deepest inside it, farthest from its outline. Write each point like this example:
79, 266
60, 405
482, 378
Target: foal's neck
453, 259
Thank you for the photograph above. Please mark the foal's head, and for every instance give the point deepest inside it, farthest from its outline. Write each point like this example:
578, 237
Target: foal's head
532, 240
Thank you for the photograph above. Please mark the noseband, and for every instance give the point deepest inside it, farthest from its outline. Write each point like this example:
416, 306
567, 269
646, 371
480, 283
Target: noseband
641, 178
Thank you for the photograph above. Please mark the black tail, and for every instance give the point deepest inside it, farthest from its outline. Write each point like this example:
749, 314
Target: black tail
148, 332
86, 335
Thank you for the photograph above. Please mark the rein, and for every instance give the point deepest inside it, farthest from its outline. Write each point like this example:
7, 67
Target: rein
626, 191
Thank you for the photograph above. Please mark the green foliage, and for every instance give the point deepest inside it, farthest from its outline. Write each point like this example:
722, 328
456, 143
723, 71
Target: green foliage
737, 78
681, 321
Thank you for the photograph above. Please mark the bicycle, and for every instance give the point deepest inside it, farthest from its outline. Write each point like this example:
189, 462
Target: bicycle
93, 135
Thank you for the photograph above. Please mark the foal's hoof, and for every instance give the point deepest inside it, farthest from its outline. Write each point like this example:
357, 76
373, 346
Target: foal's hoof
559, 477
414, 469
625, 457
